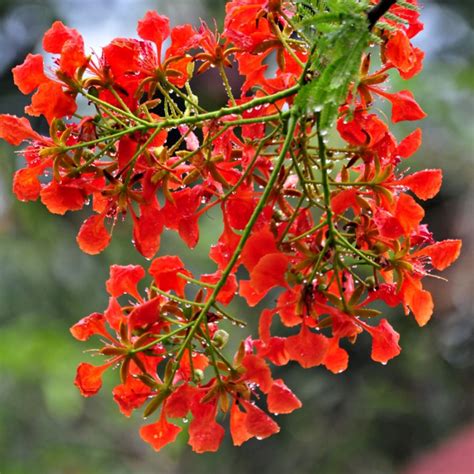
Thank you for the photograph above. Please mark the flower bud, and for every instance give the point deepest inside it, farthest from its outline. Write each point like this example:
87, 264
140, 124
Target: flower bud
220, 338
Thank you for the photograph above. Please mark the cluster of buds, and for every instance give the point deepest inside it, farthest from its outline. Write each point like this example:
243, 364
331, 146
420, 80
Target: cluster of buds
326, 231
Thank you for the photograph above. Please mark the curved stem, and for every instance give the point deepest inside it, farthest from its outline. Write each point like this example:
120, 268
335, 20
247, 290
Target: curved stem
245, 235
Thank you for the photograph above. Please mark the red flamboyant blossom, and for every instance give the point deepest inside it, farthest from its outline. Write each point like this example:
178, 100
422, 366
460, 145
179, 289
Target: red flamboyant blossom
320, 230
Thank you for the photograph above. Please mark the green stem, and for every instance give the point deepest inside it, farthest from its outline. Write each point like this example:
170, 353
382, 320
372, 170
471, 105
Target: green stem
227, 86
292, 219
325, 181
160, 339
186, 98
101, 140
245, 235
177, 298
101, 102
358, 252
282, 39
228, 316
308, 232
196, 282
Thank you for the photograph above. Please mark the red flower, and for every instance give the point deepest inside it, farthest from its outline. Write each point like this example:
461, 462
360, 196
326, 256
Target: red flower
131, 395
258, 423
410, 144
205, 435
227, 292
165, 271
425, 184
90, 326
307, 348
68, 42
51, 101
26, 185
401, 54
89, 378
15, 130
384, 342
159, 434
29, 75
124, 280
62, 197
404, 106
281, 399
257, 371
93, 237
238, 430
336, 359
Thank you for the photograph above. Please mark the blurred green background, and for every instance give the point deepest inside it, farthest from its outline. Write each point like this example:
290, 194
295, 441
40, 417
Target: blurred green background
370, 419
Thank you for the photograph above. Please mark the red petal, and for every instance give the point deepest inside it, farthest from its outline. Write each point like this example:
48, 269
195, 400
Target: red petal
159, 434
183, 38
205, 435
131, 395
30, 74
248, 292
417, 64
188, 230
410, 144
113, 314
225, 247
89, 326
147, 230
122, 55
425, 184
51, 101
181, 215
258, 245
93, 237
404, 107
442, 254
124, 280
72, 56
89, 378
336, 358
344, 200
274, 350
165, 269
384, 342
26, 185
16, 130
257, 371
227, 292
385, 292
400, 52
408, 213
418, 300
269, 272
258, 423
154, 27
59, 198
146, 313
238, 430
264, 324
239, 208
55, 38
307, 348
180, 401
281, 399
287, 307
199, 362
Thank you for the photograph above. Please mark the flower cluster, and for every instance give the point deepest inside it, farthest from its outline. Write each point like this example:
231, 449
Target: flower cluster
324, 229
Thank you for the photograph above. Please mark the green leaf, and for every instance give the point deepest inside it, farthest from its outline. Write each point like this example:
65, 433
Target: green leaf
337, 59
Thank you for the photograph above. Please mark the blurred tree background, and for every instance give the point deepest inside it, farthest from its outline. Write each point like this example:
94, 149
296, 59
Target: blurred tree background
371, 419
